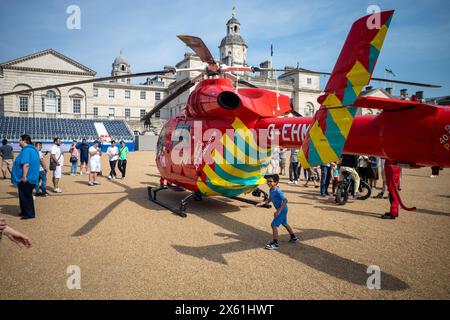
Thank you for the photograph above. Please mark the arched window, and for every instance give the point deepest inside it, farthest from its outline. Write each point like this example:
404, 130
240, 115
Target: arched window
309, 110
123, 67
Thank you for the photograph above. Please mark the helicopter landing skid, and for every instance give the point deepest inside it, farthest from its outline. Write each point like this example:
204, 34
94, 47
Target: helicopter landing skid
181, 211
255, 193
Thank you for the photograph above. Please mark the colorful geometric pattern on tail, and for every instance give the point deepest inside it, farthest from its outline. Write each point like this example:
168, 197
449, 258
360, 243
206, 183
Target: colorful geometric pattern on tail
327, 135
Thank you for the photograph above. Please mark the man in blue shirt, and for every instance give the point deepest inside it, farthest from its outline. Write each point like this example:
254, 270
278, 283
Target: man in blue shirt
84, 156
25, 175
279, 200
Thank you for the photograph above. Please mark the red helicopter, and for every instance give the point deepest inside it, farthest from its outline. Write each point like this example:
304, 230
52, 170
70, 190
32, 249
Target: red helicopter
220, 144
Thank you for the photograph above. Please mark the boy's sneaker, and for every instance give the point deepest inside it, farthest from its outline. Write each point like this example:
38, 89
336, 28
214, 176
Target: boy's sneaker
290, 182
272, 246
296, 181
95, 182
294, 239
109, 177
91, 183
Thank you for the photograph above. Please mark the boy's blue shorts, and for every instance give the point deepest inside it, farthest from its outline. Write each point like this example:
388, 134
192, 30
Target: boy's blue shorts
280, 219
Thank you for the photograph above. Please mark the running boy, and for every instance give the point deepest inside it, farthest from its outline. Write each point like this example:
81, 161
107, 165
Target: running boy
279, 200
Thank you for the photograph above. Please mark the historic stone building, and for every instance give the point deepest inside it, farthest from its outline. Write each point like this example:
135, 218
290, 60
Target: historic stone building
123, 99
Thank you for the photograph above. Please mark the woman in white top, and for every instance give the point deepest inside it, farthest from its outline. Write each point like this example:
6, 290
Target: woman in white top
95, 163
274, 166
113, 155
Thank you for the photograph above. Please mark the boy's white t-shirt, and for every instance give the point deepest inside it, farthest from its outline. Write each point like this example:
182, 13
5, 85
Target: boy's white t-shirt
96, 156
113, 151
56, 151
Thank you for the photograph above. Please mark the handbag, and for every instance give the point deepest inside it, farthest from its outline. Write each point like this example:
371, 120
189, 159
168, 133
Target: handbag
73, 159
52, 165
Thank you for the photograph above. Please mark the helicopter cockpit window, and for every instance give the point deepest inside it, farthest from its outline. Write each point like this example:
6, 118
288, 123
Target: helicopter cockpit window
160, 144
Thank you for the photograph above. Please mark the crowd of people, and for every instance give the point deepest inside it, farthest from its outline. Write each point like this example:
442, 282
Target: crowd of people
360, 168
30, 168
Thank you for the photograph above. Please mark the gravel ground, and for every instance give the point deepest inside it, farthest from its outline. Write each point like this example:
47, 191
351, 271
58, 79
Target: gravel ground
129, 248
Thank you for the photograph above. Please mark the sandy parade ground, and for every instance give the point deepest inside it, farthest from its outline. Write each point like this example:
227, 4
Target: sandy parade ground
129, 248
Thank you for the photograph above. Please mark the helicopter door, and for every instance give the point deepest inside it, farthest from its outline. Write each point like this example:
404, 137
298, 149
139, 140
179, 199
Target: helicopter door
180, 141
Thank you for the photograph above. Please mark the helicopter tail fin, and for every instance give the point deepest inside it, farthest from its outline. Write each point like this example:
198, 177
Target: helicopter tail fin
331, 125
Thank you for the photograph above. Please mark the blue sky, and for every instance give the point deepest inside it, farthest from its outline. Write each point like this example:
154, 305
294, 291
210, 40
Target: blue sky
309, 32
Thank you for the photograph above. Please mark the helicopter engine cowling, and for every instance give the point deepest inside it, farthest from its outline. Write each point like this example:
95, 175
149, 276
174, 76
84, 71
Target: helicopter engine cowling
219, 98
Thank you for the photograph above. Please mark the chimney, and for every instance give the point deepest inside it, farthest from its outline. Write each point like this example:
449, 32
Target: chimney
404, 93
389, 90
419, 95
266, 74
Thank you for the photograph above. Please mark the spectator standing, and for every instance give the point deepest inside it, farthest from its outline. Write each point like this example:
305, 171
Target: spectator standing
363, 168
123, 151
325, 178
6, 152
283, 156
42, 183
383, 177
373, 171
113, 156
335, 174
274, 166
74, 156
25, 175
95, 163
56, 164
84, 156
293, 166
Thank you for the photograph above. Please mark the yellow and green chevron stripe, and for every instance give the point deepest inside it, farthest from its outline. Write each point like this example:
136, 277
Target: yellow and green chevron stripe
238, 168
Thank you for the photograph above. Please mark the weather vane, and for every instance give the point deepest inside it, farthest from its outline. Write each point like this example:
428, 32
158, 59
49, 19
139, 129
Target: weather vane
233, 12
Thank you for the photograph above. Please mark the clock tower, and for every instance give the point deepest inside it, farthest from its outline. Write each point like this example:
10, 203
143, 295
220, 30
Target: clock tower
233, 50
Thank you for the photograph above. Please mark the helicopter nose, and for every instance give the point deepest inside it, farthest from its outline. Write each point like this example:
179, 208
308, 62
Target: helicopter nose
229, 100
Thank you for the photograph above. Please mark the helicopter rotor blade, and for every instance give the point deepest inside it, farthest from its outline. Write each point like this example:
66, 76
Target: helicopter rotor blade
199, 47
133, 75
415, 84
172, 96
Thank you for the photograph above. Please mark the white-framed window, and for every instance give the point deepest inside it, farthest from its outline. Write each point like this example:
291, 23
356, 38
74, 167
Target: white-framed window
127, 113
158, 114
127, 94
309, 81
95, 111
112, 113
95, 92
157, 96
52, 104
76, 104
143, 95
111, 93
142, 113
23, 104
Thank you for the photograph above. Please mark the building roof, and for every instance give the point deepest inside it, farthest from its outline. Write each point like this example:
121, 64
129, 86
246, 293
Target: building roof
11, 63
120, 59
233, 20
233, 39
